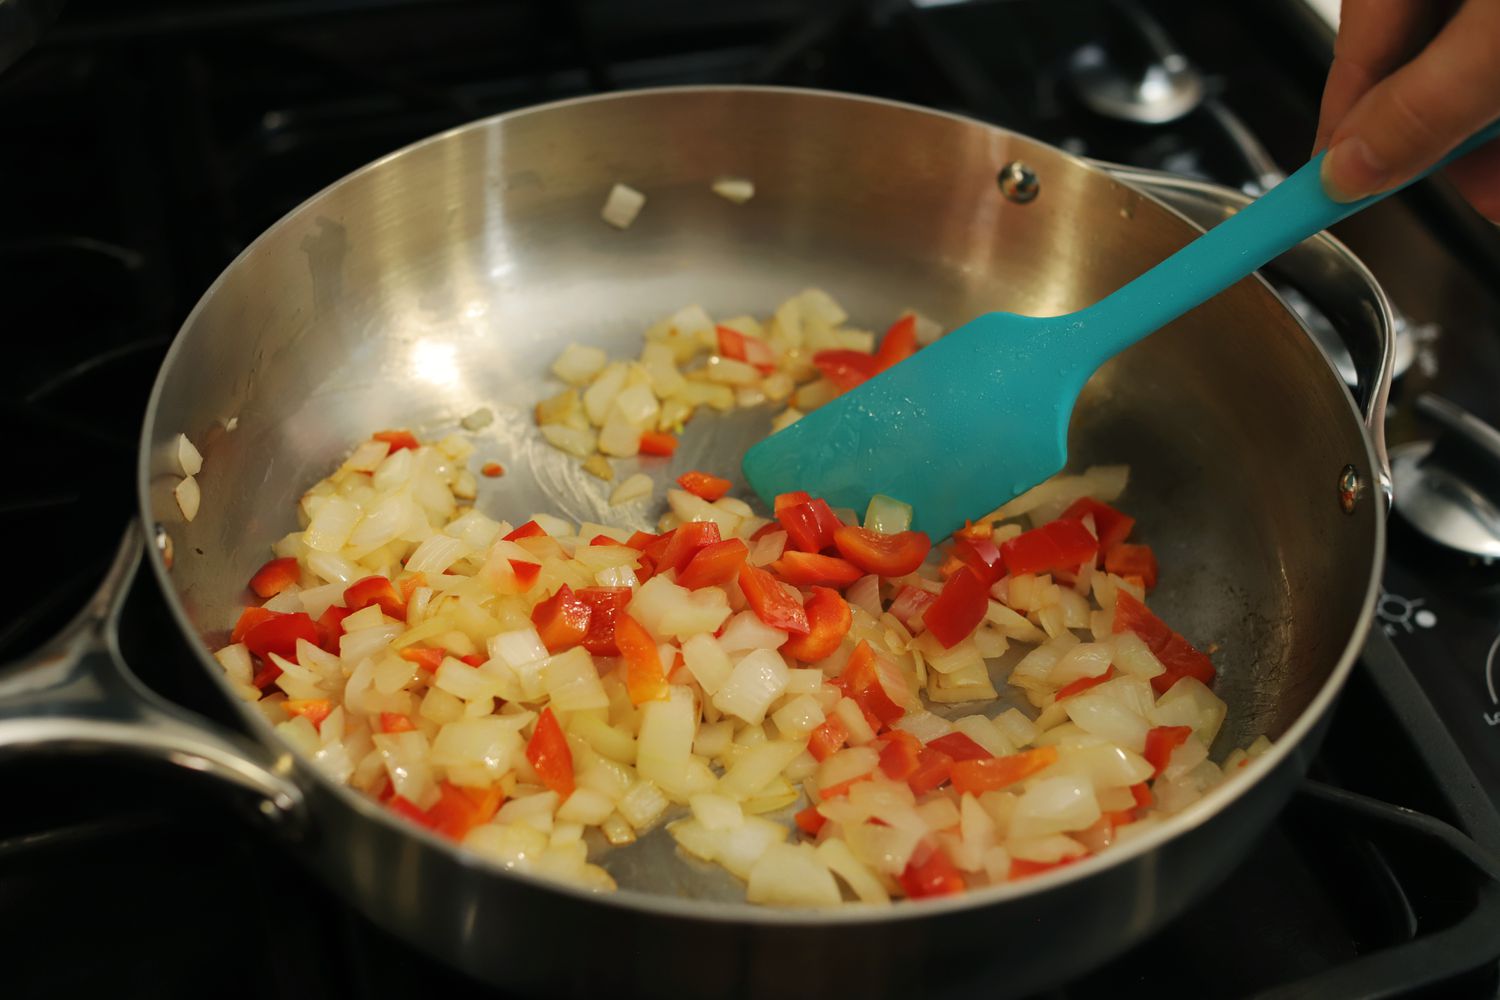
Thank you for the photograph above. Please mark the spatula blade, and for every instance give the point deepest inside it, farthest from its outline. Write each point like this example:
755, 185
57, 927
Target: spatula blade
956, 430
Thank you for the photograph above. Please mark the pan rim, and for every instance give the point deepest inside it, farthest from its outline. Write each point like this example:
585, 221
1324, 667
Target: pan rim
740, 912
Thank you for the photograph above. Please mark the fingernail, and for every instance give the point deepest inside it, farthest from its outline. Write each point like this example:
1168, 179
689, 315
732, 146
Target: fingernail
1352, 171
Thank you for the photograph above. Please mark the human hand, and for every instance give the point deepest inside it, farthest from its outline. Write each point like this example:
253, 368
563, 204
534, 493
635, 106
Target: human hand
1410, 80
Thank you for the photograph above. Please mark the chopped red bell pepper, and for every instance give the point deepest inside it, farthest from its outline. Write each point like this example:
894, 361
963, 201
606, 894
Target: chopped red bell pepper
426, 659
658, 443
828, 621
267, 674
899, 756
862, 681
701, 484
528, 530
804, 569
562, 620
275, 576
959, 608
792, 499
1142, 795
935, 876
951, 564
739, 346
994, 773
883, 555
1132, 560
605, 605
982, 556
959, 747
841, 788
314, 710
279, 635
715, 563
395, 722
644, 678
397, 439
1055, 545
249, 618
682, 544
374, 590
474, 659
933, 769
461, 809
809, 526
771, 602
826, 740
844, 368
1021, 868
859, 670
406, 808
1174, 652
640, 540
1161, 741
331, 626
493, 470
1083, 684
1111, 525
810, 821
527, 573
548, 753
898, 344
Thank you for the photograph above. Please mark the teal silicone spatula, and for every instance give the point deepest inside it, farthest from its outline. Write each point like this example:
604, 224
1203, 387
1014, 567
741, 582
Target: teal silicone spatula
982, 415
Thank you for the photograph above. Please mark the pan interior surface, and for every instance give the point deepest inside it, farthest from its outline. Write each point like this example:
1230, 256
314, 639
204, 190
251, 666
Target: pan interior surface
447, 278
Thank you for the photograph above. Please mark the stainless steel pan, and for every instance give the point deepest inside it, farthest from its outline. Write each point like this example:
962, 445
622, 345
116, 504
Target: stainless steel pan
448, 275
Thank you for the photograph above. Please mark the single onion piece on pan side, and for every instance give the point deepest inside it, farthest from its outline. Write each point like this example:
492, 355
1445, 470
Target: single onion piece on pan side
803, 701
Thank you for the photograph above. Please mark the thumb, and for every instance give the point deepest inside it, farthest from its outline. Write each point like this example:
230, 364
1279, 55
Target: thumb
1415, 116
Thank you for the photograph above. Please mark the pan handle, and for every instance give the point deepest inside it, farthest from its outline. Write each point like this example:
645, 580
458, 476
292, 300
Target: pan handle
1326, 271
77, 696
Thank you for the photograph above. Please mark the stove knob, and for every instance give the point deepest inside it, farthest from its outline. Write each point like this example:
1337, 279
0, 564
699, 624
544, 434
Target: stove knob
1449, 489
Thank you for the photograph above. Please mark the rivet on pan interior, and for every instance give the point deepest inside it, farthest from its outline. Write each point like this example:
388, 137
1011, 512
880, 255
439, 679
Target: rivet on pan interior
1351, 488
1018, 182
164, 545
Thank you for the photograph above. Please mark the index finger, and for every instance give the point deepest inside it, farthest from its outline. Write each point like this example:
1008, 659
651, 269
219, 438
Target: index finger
1376, 37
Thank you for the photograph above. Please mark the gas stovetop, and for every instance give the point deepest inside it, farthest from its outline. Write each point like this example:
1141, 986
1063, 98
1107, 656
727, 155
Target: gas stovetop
148, 142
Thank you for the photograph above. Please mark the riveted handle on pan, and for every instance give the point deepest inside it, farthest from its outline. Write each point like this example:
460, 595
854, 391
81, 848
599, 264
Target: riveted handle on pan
1326, 272
77, 696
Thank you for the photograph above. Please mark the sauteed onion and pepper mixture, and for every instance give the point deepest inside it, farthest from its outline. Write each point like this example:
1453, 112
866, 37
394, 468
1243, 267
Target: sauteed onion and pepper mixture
803, 696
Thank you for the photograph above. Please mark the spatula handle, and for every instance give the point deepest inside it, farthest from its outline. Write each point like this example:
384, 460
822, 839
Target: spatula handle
1272, 224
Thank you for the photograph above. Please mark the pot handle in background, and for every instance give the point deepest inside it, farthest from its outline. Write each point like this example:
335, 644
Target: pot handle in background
1334, 280
77, 696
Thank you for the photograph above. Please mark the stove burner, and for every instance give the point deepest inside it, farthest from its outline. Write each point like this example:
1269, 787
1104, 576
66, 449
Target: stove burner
1400, 614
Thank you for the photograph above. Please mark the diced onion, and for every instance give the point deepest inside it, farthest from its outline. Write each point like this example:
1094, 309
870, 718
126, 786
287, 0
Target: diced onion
757, 679
792, 876
622, 206
634, 487
189, 461
708, 662
735, 189
188, 497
